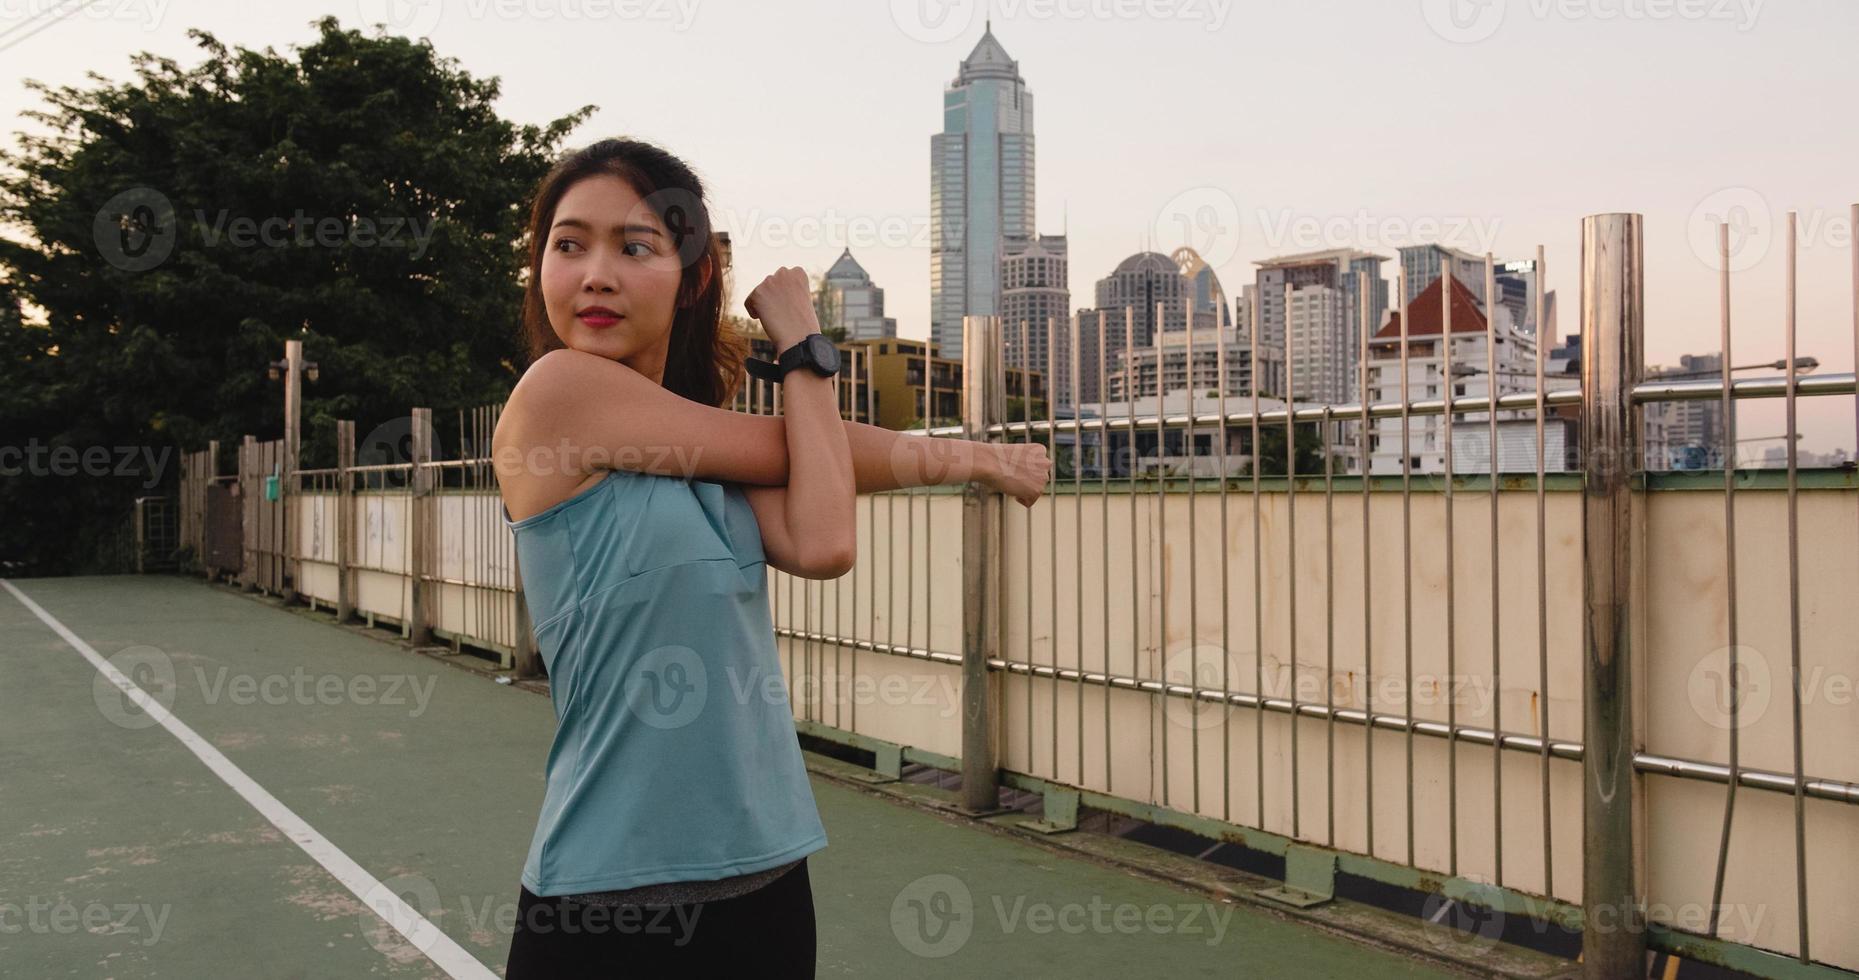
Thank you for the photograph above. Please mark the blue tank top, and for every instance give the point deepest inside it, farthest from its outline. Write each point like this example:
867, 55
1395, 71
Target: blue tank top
675, 757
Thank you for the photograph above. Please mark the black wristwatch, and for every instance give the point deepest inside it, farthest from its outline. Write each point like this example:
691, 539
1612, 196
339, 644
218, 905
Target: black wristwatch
814, 351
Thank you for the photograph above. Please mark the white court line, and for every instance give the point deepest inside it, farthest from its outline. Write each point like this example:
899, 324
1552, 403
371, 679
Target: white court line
428, 938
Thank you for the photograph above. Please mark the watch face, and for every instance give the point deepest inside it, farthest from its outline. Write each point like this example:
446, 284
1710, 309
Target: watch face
824, 353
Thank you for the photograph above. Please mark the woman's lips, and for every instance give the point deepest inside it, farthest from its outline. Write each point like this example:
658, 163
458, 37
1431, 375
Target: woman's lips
598, 318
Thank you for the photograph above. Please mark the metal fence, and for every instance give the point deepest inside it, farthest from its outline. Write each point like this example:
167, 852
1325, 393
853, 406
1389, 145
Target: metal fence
1530, 692
1539, 692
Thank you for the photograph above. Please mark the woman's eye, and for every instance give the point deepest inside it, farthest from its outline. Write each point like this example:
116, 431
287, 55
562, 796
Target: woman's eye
561, 244
645, 248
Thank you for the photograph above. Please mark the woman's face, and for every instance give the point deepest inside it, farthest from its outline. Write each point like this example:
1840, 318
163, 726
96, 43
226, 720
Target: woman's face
610, 275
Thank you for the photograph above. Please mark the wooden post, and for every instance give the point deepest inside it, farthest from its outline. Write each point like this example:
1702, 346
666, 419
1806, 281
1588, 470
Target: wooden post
290, 563
419, 485
206, 494
250, 490
345, 517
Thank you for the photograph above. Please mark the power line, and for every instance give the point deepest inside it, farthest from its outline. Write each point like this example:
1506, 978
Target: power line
54, 15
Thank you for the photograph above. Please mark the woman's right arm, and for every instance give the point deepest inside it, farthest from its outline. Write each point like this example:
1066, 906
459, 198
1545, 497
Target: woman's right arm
575, 412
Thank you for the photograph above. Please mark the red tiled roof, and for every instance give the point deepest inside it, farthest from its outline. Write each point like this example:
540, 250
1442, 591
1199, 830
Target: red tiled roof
1426, 313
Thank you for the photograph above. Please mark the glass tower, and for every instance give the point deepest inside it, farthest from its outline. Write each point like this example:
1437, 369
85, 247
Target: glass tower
981, 188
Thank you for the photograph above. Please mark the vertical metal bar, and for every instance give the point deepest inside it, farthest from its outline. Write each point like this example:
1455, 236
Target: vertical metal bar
1407, 569
1159, 554
1449, 387
848, 635
910, 512
871, 528
1103, 505
1026, 410
1226, 632
1129, 392
1497, 687
981, 346
1005, 574
1542, 577
1329, 629
891, 549
1794, 600
1727, 408
1258, 567
1368, 605
1194, 629
1290, 394
1612, 321
1052, 562
929, 528
1077, 529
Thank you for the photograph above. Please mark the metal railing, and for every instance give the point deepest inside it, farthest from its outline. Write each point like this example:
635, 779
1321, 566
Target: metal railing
1377, 667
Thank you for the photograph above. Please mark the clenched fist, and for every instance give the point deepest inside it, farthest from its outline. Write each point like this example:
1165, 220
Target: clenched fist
1021, 470
784, 304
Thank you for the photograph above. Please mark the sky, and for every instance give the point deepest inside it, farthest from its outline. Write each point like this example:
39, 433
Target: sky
1246, 130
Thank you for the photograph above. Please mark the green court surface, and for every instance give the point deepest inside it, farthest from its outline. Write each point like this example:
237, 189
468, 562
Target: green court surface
124, 854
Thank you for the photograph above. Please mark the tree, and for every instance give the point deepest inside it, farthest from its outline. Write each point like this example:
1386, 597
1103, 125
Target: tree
1272, 450
361, 195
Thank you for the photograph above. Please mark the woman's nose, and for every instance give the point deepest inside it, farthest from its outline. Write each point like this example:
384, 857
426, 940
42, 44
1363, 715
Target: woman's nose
598, 281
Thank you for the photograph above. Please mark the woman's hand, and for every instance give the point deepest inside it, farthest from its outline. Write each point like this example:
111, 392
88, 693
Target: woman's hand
784, 304
1021, 470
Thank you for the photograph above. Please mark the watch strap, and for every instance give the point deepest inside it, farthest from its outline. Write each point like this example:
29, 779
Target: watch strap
765, 370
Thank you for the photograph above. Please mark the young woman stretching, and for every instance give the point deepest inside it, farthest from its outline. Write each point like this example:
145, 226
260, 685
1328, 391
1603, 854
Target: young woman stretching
677, 816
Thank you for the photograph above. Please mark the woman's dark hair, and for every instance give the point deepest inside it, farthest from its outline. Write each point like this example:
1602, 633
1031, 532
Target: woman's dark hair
704, 362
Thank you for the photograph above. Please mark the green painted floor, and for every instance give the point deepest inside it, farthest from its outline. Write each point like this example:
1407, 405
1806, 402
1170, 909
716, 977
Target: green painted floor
123, 855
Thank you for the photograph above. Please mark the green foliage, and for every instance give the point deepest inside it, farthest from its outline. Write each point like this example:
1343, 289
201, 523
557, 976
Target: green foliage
1272, 450
361, 194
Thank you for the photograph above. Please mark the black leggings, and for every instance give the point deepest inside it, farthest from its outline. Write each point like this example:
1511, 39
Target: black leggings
768, 932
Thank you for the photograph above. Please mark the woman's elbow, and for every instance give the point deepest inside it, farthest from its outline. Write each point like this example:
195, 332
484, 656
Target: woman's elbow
832, 561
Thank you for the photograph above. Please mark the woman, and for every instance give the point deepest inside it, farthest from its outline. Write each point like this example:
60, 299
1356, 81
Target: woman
677, 817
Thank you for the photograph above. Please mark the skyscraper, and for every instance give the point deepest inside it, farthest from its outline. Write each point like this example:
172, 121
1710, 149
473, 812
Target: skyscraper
857, 304
1139, 284
1324, 316
981, 188
1036, 292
